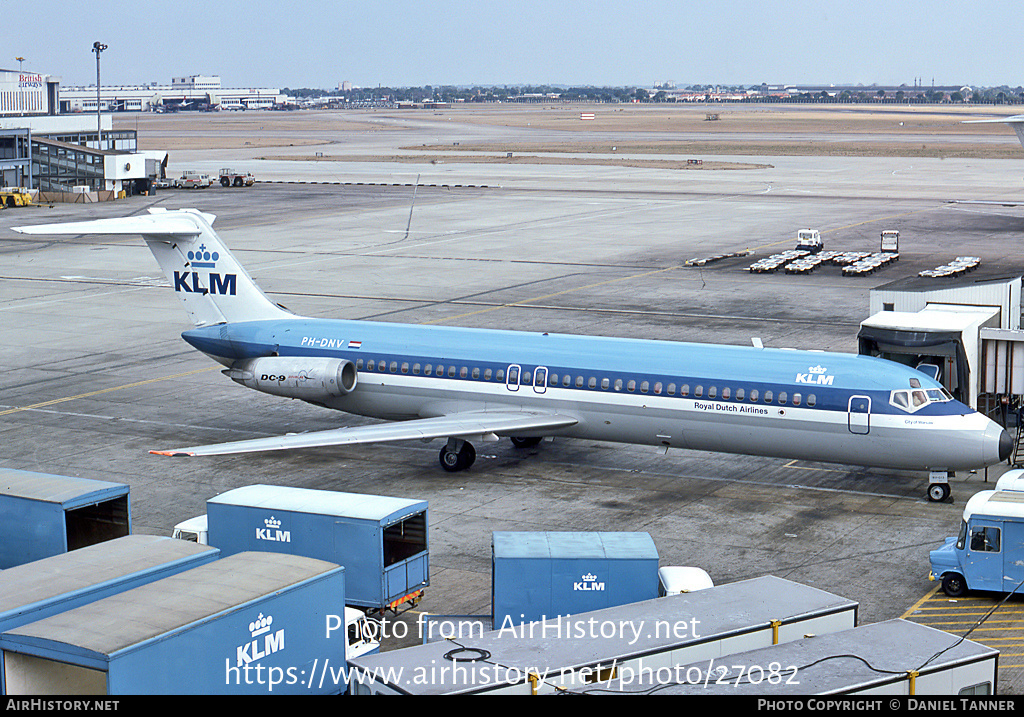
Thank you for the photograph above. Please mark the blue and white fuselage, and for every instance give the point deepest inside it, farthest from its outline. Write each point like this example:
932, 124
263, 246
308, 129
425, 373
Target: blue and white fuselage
468, 385
809, 405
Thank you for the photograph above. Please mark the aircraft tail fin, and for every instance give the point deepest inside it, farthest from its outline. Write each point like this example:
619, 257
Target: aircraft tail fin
213, 287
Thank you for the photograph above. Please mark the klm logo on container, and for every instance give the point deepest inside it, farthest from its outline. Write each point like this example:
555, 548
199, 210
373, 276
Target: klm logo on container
588, 582
271, 531
256, 648
188, 281
816, 375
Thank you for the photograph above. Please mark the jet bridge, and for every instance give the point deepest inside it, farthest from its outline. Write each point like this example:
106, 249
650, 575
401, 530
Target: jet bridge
941, 340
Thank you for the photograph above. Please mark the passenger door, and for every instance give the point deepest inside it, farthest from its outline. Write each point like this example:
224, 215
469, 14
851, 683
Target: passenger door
859, 414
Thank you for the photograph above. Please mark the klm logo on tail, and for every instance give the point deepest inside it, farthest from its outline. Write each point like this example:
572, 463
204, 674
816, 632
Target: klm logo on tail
188, 281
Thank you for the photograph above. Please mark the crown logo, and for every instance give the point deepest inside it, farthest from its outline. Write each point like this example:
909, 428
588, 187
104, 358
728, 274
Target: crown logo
590, 577
817, 369
272, 522
203, 258
260, 625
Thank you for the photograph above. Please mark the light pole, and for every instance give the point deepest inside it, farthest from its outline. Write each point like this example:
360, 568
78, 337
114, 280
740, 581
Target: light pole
98, 47
20, 60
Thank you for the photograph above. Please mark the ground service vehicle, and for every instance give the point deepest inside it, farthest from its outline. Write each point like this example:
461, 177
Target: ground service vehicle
809, 240
190, 179
234, 178
380, 541
988, 554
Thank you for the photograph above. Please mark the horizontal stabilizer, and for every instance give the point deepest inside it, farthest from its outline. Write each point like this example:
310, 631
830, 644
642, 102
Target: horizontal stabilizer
159, 224
458, 425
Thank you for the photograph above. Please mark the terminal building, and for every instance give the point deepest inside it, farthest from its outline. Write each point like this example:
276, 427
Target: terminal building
45, 150
194, 92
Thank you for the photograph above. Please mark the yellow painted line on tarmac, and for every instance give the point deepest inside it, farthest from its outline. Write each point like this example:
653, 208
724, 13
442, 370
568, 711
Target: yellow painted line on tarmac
527, 302
848, 226
916, 605
103, 390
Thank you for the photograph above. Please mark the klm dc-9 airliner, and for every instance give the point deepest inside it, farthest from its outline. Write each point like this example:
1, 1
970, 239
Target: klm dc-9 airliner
468, 385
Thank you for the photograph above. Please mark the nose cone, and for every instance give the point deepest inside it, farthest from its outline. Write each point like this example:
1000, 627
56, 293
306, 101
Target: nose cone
1006, 441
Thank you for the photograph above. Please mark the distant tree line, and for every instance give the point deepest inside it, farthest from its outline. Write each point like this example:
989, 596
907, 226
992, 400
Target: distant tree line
758, 93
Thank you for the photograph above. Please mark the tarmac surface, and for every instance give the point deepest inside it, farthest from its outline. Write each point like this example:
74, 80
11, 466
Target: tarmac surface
95, 374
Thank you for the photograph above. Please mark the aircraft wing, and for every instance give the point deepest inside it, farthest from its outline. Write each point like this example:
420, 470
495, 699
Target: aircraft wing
472, 424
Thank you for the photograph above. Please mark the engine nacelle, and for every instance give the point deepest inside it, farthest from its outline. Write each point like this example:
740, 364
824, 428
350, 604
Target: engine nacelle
311, 379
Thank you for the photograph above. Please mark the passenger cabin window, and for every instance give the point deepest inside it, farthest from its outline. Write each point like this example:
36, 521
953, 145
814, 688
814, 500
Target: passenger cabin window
767, 396
753, 395
698, 391
684, 390
618, 384
726, 393
592, 383
671, 390
713, 392
631, 386
605, 383
797, 399
782, 396
740, 395
811, 400
645, 386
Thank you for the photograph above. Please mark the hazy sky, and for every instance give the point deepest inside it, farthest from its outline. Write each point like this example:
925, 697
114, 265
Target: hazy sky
297, 44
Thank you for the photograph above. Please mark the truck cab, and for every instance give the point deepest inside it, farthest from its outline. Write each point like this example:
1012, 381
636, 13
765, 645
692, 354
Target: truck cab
809, 240
988, 552
194, 530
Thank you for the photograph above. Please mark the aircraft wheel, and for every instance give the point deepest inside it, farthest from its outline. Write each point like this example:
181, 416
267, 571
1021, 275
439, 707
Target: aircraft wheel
938, 492
525, 442
453, 461
954, 585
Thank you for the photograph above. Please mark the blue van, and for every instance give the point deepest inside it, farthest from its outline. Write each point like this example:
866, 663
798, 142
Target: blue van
988, 554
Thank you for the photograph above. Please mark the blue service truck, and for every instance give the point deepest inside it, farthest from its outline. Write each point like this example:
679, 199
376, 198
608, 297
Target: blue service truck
381, 541
42, 515
988, 552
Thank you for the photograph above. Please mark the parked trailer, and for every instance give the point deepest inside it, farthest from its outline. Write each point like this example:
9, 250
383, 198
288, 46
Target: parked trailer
381, 541
895, 657
538, 575
43, 515
63, 582
545, 657
245, 624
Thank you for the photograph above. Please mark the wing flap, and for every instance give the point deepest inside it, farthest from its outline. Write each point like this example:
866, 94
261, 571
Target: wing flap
458, 425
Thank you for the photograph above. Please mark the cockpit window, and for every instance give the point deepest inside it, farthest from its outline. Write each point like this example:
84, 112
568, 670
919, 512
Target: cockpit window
912, 400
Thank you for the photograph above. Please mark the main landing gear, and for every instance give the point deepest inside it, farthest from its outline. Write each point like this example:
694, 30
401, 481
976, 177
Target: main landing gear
458, 454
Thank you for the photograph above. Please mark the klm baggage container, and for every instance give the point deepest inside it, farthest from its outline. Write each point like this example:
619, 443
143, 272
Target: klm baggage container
46, 587
381, 541
252, 623
43, 515
538, 575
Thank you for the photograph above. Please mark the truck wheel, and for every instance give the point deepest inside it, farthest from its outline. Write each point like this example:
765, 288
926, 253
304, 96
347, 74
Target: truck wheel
238, 181
225, 182
954, 585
